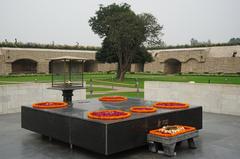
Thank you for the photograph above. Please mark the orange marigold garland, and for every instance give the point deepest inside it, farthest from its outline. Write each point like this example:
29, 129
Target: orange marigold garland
171, 105
49, 105
143, 109
113, 99
170, 131
109, 114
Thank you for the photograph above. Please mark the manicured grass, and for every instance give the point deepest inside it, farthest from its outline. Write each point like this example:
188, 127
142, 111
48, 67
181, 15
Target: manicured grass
130, 80
47, 78
27, 78
6, 83
2, 83
126, 94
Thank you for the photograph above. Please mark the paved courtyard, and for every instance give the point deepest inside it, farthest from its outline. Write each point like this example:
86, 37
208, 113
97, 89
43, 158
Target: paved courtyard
219, 139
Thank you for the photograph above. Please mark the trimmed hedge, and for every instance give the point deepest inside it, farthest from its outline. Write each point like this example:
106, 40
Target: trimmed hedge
46, 46
96, 48
190, 46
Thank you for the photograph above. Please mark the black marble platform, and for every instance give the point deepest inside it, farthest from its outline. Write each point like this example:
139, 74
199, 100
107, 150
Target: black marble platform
71, 125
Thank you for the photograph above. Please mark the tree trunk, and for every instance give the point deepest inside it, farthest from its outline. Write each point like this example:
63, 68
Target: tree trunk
124, 64
122, 71
122, 75
118, 71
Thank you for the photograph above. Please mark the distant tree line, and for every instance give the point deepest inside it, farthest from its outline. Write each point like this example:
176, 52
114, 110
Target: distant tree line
18, 44
195, 43
234, 41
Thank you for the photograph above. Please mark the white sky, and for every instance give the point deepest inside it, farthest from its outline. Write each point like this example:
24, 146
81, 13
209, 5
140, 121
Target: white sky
66, 21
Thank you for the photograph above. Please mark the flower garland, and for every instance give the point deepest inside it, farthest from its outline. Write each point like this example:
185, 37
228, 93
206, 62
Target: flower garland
171, 105
143, 109
113, 99
49, 105
170, 131
109, 114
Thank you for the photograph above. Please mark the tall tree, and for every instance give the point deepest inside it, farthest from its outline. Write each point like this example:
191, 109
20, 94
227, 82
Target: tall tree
124, 34
107, 54
234, 41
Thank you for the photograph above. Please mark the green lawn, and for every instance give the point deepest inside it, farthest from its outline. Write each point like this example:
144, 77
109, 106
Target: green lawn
127, 94
130, 81
106, 79
47, 78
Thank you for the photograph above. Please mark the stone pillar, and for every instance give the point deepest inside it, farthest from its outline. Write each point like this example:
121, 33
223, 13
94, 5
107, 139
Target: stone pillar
138, 67
43, 67
7, 69
1, 65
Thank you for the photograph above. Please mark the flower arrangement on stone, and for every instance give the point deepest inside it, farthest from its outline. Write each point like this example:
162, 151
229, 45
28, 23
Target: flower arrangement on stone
109, 114
143, 109
171, 105
113, 99
172, 130
49, 105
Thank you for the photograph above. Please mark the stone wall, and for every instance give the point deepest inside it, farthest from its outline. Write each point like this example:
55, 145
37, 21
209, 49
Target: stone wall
13, 96
137, 68
1, 64
222, 64
192, 65
213, 65
41, 56
154, 67
215, 98
106, 67
196, 60
181, 55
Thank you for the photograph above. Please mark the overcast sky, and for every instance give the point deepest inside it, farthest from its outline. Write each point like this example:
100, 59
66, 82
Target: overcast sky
66, 21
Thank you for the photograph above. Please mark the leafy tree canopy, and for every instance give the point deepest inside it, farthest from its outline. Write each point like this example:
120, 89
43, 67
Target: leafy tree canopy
124, 34
107, 54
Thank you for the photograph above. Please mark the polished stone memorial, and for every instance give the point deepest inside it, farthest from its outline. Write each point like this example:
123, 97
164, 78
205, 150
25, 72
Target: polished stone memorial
71, 125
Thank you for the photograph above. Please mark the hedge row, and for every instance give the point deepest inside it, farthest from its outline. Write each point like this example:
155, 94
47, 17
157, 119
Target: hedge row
46, 46
93, 48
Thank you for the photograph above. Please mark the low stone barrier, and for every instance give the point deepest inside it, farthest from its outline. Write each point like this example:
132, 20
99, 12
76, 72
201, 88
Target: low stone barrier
215, 98
13, 96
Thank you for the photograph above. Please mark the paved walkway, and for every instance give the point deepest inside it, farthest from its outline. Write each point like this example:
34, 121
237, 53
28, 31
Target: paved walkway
219, 139
115, 89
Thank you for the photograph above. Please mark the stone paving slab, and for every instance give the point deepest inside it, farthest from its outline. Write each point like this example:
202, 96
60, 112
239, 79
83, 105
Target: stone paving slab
219, 139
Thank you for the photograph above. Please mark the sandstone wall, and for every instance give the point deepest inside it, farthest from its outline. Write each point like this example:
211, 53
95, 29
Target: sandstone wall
106, 67
1, 64
196, 60
154, 67
137, 68
41, 56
